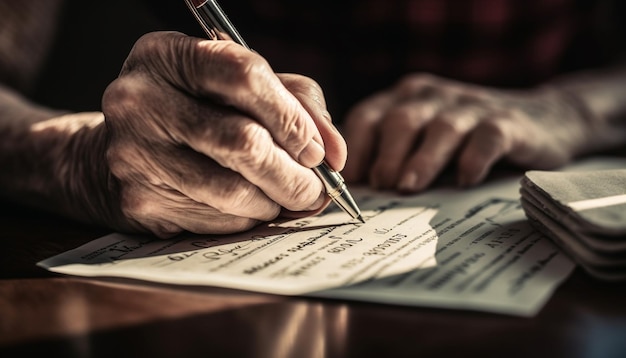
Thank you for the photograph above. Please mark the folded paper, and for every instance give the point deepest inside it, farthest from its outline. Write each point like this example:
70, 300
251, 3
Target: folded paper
584, 212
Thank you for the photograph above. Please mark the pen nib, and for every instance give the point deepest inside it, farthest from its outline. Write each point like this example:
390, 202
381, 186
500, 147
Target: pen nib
361, 219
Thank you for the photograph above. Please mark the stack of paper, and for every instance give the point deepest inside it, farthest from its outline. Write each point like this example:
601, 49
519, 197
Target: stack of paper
584, 212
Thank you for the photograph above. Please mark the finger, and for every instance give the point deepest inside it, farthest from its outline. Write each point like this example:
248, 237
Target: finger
491, 140
199, 219
310, 94
360, 129
166, 213
193, 176
237, 77
204, 181
398, 135
442, 137
234, 140
246, 147
300, 214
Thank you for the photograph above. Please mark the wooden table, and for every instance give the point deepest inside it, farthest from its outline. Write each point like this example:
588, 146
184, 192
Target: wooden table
51, 315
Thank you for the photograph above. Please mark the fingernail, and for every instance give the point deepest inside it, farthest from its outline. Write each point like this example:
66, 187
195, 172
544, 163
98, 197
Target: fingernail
312, 154
408, 182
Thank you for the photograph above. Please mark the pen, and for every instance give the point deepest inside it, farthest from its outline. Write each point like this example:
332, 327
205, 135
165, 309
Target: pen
216, 25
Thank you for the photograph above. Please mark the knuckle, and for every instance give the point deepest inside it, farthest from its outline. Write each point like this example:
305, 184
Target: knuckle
447, 124
236, 196
468, 98
300, 195
304, 85
294, 130
403, 118
165, 230
234, 193
244, 69
123, 94
117, 157
416, 79
325, 114
150, 42
495, 129
415, 83
290, 128
134, 206
247, 70
248, 136
138, 207
146, 44
149, 46
223, 69
247, 145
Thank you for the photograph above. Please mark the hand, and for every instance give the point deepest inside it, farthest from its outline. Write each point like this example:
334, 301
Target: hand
404, 137
203, 136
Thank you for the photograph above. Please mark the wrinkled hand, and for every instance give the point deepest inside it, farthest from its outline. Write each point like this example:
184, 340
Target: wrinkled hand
203, 136
404, 137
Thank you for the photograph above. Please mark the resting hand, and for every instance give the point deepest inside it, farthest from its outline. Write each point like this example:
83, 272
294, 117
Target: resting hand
404, 137
203, 136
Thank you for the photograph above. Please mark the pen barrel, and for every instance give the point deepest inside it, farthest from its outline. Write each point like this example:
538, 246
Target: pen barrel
334, 183
215, 22
336, 188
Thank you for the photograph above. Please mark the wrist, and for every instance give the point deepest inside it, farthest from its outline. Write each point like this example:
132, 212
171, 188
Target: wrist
88, 189
589, 126
600, 98
58, 165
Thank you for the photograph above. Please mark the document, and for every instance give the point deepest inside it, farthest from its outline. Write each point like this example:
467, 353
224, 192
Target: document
459, 249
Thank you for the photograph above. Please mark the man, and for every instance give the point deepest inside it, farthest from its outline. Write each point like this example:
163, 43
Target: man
205, 137
199, 135
458, 84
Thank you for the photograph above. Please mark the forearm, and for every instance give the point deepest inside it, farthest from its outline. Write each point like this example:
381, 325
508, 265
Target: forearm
602, 95
52, 160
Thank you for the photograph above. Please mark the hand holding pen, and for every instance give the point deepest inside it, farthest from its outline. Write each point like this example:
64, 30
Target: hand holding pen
202, 136
217, 26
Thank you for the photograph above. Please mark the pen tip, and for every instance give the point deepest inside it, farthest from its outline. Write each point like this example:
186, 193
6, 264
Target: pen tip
361, 219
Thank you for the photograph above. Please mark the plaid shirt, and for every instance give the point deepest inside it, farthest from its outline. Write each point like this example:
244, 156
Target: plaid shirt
352, 47
355, 47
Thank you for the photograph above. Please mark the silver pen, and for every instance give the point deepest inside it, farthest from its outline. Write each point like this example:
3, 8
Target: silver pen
216, 25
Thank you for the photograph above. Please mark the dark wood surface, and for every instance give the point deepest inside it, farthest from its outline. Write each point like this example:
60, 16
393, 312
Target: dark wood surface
53, 315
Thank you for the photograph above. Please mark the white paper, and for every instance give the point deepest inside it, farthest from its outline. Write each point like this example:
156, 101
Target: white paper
463, 249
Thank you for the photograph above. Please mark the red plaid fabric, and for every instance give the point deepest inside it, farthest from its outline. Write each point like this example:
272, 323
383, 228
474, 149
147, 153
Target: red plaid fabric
355, 47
